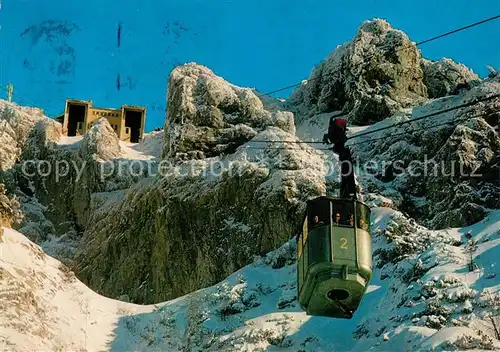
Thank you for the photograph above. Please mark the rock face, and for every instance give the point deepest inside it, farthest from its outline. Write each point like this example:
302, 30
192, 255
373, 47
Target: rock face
372, 76
445, 77
55, 182
471, 156
100, 142
444, 169
16, 123
9, 208
197, 222
207, 116
72, 174
203, 218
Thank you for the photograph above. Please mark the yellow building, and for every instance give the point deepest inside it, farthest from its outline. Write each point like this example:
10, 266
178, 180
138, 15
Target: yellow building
128, 122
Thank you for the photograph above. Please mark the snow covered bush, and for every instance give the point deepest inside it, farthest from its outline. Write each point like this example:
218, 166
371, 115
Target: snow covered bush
405, 238
236, 299
285, 255
471, 342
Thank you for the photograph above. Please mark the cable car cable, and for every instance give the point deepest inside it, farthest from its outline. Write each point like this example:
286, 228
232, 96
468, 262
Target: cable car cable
458, 30
378, 138
453, 122
456, 107
403, 47
426, 116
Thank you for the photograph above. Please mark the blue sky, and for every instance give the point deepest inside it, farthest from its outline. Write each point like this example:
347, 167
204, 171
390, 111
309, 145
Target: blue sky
262, 44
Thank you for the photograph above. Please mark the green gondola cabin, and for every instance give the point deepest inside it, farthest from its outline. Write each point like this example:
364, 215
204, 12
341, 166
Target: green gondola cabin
334, 257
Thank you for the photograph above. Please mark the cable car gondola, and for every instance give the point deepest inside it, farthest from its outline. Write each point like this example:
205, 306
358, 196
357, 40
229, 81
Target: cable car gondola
334, 252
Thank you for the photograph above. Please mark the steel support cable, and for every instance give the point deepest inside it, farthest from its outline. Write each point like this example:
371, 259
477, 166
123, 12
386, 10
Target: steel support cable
423, 117
452, 122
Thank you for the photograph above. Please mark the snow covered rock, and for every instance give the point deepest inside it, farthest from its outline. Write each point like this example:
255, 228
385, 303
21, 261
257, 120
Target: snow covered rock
464, 196
445, 77
200, 220
372, 76
100, 142
9, 208
208, 116
445, 168
16, 123
54, 179
42, 139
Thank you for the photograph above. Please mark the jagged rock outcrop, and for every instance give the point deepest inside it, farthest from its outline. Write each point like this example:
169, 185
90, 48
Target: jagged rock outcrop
201, 219
444, 169
16, 123
100, 142
55, 182
372, 76
471, 157
445, 77
9, 208
207, 116
42, 138
198, 221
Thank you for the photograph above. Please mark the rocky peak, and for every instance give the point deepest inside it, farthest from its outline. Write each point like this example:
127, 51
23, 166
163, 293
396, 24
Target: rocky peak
100, 141
372, 76
208, 116
42, 138
445, 77
16, 123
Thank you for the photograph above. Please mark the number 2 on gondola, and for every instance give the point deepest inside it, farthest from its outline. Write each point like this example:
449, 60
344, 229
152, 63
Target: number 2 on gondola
343, 243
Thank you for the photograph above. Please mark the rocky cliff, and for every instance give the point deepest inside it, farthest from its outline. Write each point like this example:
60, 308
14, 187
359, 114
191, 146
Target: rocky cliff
207, 212
377, 73
443, 169
207, 116
445, 77
9, 208
372, 76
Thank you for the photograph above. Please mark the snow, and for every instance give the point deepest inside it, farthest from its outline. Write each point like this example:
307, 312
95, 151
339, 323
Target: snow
73, 141
149, 148
54, 310
132, 152
254, 308
152, 144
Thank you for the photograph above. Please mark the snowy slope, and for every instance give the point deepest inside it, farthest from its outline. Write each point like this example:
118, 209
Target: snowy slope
253, 309
45, 307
